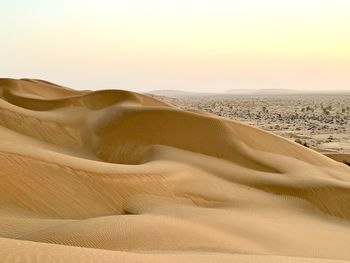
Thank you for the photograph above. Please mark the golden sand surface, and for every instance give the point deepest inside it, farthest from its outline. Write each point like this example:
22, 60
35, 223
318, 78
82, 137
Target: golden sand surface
116, 176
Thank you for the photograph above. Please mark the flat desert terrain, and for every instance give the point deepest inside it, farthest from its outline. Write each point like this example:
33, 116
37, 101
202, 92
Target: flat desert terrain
117, 176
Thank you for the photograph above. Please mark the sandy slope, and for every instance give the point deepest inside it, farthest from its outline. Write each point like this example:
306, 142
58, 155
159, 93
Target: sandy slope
340, 157
117, 176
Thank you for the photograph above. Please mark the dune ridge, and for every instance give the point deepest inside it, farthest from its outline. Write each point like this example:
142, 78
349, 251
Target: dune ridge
116, 176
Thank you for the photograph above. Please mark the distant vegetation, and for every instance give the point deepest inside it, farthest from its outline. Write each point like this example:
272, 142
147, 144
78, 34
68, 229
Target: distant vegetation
302, 142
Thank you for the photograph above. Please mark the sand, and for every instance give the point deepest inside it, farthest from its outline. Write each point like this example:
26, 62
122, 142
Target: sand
116, 176
319, 121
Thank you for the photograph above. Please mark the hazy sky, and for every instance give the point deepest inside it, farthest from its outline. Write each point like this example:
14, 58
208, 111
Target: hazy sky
184, 44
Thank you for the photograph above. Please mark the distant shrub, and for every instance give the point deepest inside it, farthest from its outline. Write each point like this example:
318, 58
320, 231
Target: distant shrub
304, 143
326, 112
298, 141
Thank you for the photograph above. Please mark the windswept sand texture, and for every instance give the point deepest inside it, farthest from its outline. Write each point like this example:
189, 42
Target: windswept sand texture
115, 176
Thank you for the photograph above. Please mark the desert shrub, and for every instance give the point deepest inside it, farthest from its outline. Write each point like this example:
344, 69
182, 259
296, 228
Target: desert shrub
298, 141
325, 111
304, 143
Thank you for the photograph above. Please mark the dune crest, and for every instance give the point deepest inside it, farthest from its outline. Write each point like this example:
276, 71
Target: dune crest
116, 176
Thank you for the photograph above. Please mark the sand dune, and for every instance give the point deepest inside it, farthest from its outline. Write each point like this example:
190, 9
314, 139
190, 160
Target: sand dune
340, 157
116, 176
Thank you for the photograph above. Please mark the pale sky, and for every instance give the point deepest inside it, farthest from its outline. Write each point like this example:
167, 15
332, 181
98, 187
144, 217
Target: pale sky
184, 44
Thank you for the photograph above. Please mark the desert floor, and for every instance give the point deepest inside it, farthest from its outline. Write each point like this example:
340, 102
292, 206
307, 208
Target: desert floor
321, 122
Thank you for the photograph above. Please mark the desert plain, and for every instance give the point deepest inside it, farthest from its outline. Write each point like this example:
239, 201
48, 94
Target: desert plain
318, 121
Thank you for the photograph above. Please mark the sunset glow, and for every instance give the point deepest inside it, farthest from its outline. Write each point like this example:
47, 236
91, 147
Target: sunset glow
188, 45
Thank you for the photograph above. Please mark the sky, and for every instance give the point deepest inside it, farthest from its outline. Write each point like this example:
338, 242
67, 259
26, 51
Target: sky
192, 45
